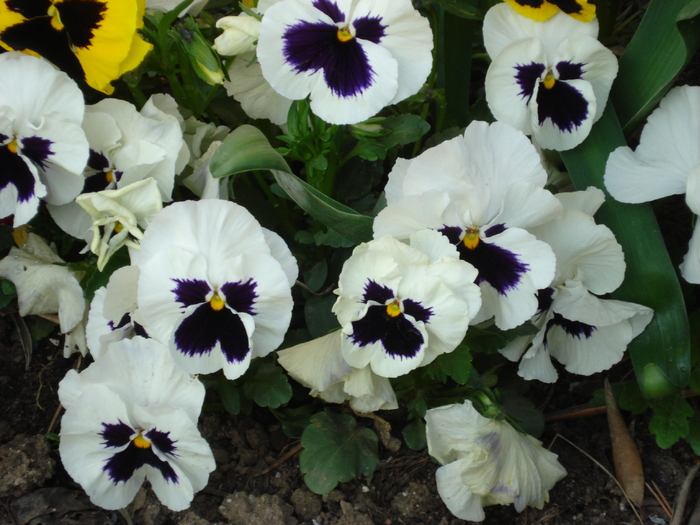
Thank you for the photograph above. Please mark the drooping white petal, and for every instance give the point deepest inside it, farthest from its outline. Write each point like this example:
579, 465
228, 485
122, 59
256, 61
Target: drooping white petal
369, 392
690, 267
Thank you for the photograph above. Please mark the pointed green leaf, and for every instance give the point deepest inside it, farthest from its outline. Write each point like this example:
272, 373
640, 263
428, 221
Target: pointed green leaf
661, 355
666, 40
245, 149
336, 450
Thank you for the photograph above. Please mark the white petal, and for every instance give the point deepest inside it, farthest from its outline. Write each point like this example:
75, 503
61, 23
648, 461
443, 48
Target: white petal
280, 251
457, 496
412, 214
690, 268
369, 392
316, 364
587, 201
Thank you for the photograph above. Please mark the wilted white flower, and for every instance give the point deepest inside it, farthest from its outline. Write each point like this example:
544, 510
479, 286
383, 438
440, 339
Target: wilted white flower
487, 462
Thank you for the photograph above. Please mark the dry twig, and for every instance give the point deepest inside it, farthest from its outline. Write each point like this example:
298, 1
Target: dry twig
660, 498
682, 498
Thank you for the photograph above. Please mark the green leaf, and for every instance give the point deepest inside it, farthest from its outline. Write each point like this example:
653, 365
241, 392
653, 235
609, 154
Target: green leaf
491, 340
320, 320
8, 292
229, 394
336, 450
267, 385
666, 40
670, 420
693, 437
94, 279
316, 276
462, 9
631, 398
414, 435
661, 355
245, 149
293, 421
458, 364
455, 40
403, 129
523, 411
353, 225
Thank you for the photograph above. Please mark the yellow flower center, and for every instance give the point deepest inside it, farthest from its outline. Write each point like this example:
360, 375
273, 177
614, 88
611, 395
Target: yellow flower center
55, 18
141, 442
344, 35
109, 176
549, 81
216, 302
118, 227
393, 309
12, 146
471, 238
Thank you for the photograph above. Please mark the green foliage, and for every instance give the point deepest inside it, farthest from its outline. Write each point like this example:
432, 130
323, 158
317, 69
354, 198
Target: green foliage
229, 394
266, 384
8, 292
414, 435
319, 318
670, 420
631, 398
458, 365
522, 411
95, 279
336, 450
293, 421
693, 437
468, 9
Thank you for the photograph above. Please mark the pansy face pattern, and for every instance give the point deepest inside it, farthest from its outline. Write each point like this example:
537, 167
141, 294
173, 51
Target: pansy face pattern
94, 40
549, 79
352, 57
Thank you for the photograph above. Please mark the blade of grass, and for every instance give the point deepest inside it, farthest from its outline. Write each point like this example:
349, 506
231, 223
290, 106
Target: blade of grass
661, 355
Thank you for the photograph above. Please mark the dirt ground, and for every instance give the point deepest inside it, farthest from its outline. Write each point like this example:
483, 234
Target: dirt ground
35, 490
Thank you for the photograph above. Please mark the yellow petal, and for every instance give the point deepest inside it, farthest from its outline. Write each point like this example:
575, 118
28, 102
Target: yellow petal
538, 14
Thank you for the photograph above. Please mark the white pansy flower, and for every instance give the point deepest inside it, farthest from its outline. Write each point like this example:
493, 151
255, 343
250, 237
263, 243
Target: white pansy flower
482, 191
352, 57
487, 462
44, 283
119, 216
43, 149
666, 162
132, 416
548, 79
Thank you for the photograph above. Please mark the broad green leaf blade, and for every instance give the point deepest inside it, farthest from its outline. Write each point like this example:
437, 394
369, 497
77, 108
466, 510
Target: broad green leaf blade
414, 435
661, 355
666, 40
455, 40
344, 220
670, 420
462, 8
336, 450
245, 149
267, 385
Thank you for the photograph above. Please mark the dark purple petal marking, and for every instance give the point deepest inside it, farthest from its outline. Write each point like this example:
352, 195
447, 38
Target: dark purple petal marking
126, 319
495, 230
37, 150
399, 337
531, 3
331, 9
569, 70
14, 170
575, 329
122, 465
98, 161
202, 329
545, 298
190, 291
417, 310
314, 46
369, 28
29, 9
3, 138
527, 76
377, 292
563, 104
497, 266
81, 18
568, 6
116, 435
241, 295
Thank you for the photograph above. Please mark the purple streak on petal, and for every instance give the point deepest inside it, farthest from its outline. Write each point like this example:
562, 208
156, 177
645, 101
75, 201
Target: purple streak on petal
331, 9
122, 465
497, 266
37, 150
495, 230
241, 295
3, 138
13, 170
569, 70
399, 337
563, 104
97, 161
202, 329
527, 76
377, 292
162, 441
500, 488
117, 434
417, 310
126, 319
369, 28
190, 291
575, 329
492, 440
311, 47
140, 330
544, 299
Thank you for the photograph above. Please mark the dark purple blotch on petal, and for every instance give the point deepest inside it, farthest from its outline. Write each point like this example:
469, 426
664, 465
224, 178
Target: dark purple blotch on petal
369, 28
545, 298
14, 170
377, 292
331, 9
417, 310
190, 291
202, 329
569, 70
122, 465
315, 46
563, 104
37, 149
527, 77
399, 337
494, 230
497, 266
575, 329
241, 295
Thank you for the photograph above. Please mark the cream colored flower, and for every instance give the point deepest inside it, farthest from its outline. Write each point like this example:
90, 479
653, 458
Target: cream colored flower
240, 35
